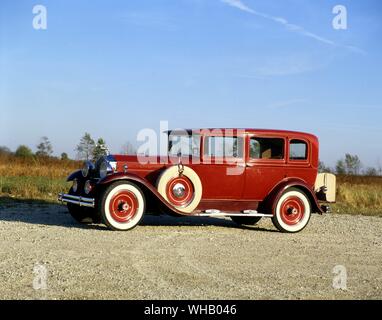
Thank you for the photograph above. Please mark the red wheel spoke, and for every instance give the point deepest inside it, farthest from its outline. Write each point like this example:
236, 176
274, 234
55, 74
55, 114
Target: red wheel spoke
292, 210
123, 206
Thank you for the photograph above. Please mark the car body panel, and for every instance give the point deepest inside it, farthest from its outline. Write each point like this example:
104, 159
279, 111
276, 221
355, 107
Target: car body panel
256, 184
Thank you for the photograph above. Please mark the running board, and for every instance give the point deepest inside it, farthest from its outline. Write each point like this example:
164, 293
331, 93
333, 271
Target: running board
218, 213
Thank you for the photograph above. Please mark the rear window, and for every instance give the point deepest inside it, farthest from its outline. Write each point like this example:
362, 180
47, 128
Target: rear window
266, 148
298, 150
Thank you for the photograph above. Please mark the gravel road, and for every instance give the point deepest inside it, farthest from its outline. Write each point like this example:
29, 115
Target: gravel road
189, 258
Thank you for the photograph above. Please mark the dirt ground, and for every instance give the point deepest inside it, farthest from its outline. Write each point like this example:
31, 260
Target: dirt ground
186, 258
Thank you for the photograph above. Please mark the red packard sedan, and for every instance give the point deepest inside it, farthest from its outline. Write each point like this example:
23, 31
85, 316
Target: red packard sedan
244, 174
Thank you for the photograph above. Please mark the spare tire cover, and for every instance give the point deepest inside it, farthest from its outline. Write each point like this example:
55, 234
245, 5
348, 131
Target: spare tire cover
183, 191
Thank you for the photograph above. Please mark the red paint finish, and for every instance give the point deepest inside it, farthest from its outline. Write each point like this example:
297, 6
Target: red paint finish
292, 210
217, 184
123, 206
228, 205
185, 188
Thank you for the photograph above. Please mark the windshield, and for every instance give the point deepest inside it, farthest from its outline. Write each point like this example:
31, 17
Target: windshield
186, 145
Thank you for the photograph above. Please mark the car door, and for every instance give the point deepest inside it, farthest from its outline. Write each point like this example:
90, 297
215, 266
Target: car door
222, 167
265, 165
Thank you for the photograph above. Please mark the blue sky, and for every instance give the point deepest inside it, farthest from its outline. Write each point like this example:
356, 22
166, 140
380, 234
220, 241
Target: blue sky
112, 68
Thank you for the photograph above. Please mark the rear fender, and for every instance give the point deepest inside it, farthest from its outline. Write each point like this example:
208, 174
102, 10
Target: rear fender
276, 193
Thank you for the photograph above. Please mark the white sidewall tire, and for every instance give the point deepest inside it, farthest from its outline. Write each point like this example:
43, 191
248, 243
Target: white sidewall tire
303, 222
172, 173
123, 226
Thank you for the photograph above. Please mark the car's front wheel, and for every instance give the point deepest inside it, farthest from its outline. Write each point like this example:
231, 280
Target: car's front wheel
80, 214
292, 211
122, 205
83, 215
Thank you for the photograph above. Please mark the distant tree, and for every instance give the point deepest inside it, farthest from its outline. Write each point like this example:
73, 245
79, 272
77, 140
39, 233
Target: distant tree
371, 172
352, 164
85, 147
100, 149
64, 156
23, 152
5, 151
323, 168
128, 149
44, 148
379, 168
340, 167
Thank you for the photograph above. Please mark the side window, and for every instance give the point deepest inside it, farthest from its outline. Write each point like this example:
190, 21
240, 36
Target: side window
298, 150
266, 148
186, 145
223, 147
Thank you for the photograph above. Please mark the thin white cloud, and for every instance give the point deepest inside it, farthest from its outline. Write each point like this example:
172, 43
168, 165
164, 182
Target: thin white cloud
238, 4
264, 68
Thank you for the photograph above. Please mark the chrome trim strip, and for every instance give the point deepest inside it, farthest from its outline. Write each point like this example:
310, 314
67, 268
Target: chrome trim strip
78, 200
228, 214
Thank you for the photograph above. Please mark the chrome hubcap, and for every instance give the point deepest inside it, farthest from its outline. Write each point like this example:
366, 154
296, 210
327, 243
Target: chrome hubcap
123, 206
292, 210
179, 190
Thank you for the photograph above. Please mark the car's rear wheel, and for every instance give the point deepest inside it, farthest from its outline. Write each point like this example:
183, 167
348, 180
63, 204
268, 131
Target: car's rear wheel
122, 206
248, 221
83, 215
292, 211
181, 190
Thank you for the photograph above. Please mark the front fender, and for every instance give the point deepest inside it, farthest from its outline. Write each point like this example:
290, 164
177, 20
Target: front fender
75, 175
278, 190
144, 184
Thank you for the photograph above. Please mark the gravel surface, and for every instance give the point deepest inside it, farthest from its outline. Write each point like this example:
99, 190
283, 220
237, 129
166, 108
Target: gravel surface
186, 258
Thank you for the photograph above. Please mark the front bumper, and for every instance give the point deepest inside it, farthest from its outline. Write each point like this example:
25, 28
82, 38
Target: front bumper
78, 200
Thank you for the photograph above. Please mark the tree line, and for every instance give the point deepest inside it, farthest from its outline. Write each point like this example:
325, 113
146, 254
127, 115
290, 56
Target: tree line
350, 165
87, 149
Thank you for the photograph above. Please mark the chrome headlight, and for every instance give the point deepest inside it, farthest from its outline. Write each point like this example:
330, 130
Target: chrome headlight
104, 168
75, 185
88, 187
88, 166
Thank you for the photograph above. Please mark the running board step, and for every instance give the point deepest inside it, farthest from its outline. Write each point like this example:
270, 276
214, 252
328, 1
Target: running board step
218, 213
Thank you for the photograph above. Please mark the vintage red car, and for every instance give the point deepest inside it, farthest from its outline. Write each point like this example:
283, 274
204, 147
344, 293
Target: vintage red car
244, 174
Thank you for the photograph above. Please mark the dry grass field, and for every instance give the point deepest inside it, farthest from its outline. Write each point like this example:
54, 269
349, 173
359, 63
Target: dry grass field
359, 195
43, 179
36, 167
34, 178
